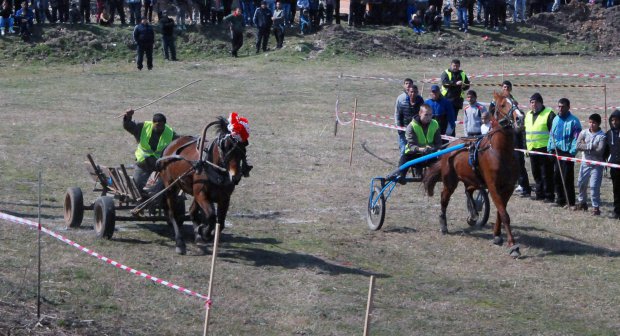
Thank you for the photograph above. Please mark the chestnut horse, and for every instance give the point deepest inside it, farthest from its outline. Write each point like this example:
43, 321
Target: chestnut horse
496, 169
210, 177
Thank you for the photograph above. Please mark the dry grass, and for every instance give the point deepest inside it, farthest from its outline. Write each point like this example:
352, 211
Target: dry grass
296, 254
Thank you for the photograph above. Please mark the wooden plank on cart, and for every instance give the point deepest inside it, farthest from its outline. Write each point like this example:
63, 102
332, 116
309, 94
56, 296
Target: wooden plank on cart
133, 189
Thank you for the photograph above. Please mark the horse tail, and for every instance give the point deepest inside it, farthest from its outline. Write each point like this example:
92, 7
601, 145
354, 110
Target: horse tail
431, 177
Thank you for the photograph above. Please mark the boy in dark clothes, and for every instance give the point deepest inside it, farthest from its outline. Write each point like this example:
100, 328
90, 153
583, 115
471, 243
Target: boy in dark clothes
612, 150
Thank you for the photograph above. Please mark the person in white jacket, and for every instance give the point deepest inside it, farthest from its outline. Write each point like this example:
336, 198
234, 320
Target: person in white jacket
591, 142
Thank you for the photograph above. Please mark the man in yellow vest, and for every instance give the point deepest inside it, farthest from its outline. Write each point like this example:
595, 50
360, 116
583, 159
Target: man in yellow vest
538, 122
454, 84
152, 137
423, 137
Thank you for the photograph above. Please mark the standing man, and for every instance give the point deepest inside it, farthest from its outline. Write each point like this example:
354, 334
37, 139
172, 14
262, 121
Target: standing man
612, 146
406, 107
152, 137
144, 36
278, 25
262, 21
454, 84
135, 7
473, 115
237, 24
84, 11
443, 111
524, 189
538, 123
167, 36
117, 6
563, 142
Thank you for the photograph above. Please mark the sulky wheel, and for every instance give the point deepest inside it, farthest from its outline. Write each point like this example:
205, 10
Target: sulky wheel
482, 206
74, 207
376, 214
104, 217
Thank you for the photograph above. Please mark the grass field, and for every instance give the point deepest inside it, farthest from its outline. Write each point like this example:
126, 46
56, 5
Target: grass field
296, 253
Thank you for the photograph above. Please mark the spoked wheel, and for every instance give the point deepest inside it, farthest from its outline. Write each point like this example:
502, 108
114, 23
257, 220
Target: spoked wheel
481, 206
74, 207
105, 217
376, 213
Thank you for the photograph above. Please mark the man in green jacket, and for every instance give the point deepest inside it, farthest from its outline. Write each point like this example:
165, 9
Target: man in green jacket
236, 30
152, 137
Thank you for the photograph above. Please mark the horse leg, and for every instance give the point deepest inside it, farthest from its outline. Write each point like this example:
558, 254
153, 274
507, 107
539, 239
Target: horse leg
514, 248
449, 185
197, 222
471, 206
178, 235
497, 227
222, 210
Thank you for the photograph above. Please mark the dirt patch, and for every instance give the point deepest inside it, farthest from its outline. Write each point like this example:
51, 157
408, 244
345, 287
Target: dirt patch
584, 22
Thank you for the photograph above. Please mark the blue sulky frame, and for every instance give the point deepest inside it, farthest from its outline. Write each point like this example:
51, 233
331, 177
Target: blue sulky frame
380, 191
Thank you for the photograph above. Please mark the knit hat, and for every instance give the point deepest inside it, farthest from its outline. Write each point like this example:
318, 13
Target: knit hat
537, 97
239, 127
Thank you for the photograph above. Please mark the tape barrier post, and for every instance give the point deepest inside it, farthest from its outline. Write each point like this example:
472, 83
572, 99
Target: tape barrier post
605, 95
39, 253
103, 258
371, 289
208, 303
353, 132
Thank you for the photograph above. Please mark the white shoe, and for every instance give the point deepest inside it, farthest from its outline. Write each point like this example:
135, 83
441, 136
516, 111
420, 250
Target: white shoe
519, 189
2, 31
11, 31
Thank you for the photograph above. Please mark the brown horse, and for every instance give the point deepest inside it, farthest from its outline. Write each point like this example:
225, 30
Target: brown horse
496, 169
210, 178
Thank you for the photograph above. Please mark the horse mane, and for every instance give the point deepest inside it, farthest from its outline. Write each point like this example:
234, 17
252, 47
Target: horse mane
221, 126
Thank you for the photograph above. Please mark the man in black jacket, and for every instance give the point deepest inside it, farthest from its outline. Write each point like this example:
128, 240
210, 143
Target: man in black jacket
454, 84
612, 151
167, 36
144, 36
262, 21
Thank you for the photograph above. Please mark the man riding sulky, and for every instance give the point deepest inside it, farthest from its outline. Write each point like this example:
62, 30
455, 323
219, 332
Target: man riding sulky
423, 138
152, 137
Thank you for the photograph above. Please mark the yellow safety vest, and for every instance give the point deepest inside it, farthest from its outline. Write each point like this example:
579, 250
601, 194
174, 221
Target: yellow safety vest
144, 149
424, 139
444, 91
536, 132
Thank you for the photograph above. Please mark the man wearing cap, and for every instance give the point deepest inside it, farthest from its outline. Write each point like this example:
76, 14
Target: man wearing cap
538, 123
563, 142
262, 21
443, 111
454, 84
152, 137
144, 36
406, 107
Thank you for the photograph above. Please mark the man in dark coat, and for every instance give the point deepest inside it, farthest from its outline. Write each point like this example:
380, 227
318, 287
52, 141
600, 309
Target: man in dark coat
262, 21
167, 36
144, 36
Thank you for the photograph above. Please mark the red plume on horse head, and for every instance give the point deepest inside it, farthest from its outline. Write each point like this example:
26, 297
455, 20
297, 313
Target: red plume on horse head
239, 127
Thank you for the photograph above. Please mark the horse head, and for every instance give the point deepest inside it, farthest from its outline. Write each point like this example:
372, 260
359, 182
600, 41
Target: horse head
231, 151
507, 112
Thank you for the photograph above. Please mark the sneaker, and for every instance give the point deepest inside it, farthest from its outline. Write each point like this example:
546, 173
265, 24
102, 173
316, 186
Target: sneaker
596, 212
519, 189
505, 27
2, 31
581, 207
11, 31
465, 30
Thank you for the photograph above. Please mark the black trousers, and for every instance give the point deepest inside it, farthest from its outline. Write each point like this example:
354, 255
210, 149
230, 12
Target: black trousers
262, 38
523, 179
117, 6
278, 32
412, 156
568, 172
542, 170
237, 42
170, 50
85, 11
142, 50
615, 182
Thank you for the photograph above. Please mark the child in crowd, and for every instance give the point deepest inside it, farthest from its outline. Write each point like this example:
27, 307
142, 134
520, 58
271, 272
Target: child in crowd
304, 22
591, 142
416, 22
473, 115
485, 126
612, 146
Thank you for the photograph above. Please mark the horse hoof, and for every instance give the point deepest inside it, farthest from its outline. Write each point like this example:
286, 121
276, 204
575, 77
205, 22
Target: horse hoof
514, 252
498, 240
444, 229
181, 250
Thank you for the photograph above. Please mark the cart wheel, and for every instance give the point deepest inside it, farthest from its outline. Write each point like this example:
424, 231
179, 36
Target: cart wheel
74, 207
483, 207
376, 214
104, 217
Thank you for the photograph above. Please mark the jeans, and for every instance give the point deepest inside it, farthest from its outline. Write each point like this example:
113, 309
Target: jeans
591, 176
148, 50
134, 12
6, 22
286, 7
247, 7
446, 21
170, 51
567, 169
519, 10
462, 16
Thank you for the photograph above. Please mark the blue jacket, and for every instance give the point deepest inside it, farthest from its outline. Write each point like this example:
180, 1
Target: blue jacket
564, 133
144, 35
443, 110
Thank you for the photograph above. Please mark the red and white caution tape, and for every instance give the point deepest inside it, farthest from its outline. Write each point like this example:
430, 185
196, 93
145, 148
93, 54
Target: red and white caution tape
572, 159
494, 75
168, 284
398, 128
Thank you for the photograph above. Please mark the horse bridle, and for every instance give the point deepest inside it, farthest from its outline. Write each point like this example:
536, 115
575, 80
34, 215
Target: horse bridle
507, 120
228, 154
